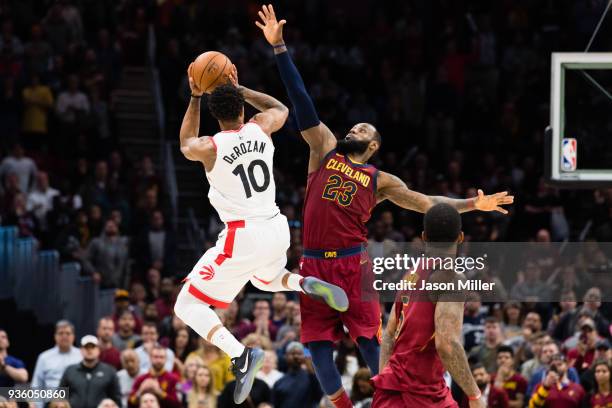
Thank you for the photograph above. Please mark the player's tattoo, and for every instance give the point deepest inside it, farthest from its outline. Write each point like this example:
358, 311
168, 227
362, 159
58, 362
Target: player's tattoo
448, 322
388, 339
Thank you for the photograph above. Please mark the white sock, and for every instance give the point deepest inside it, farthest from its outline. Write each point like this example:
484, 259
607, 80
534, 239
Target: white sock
276, 285
223, 339
201, 318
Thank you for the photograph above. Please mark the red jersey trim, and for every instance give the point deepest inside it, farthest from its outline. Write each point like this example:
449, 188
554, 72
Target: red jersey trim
212, 139
228, 247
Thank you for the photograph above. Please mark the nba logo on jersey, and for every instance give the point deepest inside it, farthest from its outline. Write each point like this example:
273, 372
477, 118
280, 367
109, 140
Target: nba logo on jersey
569, 154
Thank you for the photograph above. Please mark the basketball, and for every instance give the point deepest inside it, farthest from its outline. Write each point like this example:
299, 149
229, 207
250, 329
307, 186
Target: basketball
210, 69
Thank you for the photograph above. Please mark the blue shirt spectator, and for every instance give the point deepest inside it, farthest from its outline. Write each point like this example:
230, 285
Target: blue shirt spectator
12, 369
299, 387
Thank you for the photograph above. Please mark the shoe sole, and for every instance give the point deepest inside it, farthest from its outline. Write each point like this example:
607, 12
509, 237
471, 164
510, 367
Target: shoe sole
333, 295
241, 394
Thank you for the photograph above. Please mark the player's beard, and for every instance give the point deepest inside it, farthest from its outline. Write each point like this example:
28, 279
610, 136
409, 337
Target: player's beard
347, 146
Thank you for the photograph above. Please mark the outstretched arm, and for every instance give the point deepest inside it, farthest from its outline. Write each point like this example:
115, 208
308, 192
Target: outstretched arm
318, 136
392, 188
388, 339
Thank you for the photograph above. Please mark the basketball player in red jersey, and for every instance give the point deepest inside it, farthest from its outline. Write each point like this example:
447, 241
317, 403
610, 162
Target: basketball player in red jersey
423, 336
341, 192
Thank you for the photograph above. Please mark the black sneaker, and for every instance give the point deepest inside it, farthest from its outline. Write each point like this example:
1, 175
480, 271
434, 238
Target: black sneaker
333, 295
244, 368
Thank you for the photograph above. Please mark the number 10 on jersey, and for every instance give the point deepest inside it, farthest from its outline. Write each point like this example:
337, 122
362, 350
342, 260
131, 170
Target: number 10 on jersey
248, 177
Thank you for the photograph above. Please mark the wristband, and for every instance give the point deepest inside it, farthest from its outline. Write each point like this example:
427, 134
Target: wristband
279, 45
196, 96
475, 397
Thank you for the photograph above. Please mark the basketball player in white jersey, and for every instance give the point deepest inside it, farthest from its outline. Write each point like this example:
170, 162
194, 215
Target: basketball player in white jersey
252, 247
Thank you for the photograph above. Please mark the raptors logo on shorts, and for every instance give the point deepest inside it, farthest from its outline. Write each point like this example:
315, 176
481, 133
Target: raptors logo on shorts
207, 272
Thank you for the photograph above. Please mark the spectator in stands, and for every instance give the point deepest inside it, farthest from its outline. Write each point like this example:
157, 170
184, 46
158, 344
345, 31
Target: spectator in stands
192, 363
511, 326
149, 314
203, 393
125, 337
107, 258
153, 284
262, 323
72, 105
150, 339
21, 165
181, 344
260, 395
218, 362
532, 288
148, 400
165, 301
58, 404
268, 373
109, 354
486, 353
362, 390
234, 323
37, 101
157, 380
602, 394
40, 200
557, 390
12, 369
530, 366
146, 205
581, 357
345, 359
156, 246
96, 191
8, 40
494, 396
279, 310
138, 295
473, 322
51, 364
550, 353
127, 375
602, 350
108, 403
91, 381
560, 326
592, 303
506, 377
299, 387
19, 216
38, 52
122, 304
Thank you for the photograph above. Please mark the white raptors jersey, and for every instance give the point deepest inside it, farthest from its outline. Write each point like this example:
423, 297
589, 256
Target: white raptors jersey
241, 181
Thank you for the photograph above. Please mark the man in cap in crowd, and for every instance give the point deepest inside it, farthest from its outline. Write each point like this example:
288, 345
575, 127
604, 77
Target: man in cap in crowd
91, 381
299, 387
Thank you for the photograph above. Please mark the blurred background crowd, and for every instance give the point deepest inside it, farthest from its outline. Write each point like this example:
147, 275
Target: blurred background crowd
460, 93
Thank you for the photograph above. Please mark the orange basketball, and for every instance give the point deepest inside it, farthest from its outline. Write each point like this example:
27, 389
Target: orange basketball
211, 69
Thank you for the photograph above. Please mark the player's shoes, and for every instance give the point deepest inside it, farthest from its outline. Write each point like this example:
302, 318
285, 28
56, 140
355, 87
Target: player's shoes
244, 368
333, 295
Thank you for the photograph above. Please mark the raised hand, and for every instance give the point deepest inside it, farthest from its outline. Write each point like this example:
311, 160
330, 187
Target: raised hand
195, 90
492, 202
271, 27
233, 76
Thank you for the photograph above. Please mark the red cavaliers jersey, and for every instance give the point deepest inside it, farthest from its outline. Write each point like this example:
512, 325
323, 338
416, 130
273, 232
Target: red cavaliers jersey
414, 367
340, 196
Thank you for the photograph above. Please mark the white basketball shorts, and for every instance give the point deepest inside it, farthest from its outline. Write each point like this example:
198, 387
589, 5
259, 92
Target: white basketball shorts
245, 250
